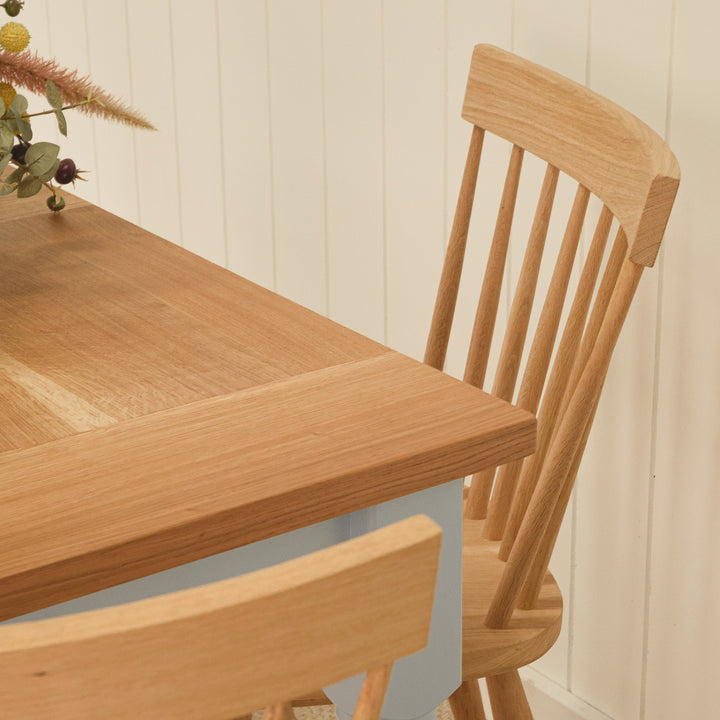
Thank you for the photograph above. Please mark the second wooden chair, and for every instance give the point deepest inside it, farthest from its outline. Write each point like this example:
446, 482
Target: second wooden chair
222, 650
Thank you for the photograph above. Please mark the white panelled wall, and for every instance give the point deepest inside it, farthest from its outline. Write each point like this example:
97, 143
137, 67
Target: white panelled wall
315, 146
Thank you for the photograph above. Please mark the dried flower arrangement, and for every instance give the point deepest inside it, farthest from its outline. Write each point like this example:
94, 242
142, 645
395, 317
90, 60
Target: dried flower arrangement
37, 164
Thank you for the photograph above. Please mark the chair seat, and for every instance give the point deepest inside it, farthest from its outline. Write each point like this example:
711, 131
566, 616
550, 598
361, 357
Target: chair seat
530, 633
486, 651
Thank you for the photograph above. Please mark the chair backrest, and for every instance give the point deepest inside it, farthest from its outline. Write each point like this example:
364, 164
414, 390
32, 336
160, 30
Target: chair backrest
614, 156
231, 647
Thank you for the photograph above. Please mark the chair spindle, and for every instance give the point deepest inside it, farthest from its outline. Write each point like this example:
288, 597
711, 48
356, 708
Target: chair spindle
372, 693
556, 385
541, 562
605, 291
545, 546
486, 314
563, 451
518, 321
436, 348
492, 282
541, 349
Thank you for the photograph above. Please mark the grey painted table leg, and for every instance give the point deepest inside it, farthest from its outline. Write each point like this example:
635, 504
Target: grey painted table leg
422, 681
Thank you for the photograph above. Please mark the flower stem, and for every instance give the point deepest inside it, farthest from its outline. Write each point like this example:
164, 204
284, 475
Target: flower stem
66, 107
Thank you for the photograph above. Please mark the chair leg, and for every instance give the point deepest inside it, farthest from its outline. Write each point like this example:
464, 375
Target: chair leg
466, 702
507, 697
281, 711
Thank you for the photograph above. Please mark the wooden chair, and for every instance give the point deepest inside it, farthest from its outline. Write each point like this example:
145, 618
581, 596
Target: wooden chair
224, 649
512, 607
511, 604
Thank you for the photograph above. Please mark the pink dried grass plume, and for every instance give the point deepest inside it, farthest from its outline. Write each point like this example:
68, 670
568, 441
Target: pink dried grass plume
30, 71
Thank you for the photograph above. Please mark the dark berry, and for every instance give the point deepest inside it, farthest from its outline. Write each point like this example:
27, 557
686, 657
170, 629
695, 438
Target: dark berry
13, 7
66, 172
18, 152
56, 203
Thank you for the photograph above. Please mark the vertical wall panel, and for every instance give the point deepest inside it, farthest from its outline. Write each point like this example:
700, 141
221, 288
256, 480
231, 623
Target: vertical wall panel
354, 161
115, 148
414, 165
68, 44
35, 17
245, 110
684, 630
199, 127
554, 34
629, 56
153, 93
297, 133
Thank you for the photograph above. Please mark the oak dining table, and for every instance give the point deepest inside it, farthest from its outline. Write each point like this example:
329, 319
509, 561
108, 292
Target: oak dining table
158, 412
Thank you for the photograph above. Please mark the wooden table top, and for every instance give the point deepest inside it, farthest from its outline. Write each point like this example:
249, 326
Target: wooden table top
156, 409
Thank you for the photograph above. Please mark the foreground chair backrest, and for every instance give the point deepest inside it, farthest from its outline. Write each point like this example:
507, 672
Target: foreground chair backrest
225, 649
517, 511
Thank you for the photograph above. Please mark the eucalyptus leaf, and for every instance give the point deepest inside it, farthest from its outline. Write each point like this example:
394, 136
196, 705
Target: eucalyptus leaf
15, 176
40, 157
19, 104
26, 132
52, 95
61, 121
7, 137
13, 119
4, 160
19, 124
29, 186
10, 183
49, 174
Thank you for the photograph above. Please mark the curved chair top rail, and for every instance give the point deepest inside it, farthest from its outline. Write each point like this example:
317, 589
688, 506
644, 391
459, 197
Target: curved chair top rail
230, 647
604, 147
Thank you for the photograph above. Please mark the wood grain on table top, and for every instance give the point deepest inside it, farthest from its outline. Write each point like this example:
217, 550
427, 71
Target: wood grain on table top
156, 409
212, 475
101, 319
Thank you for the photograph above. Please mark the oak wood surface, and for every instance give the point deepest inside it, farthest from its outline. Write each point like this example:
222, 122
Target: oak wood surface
489, 300
527, 635
446, 300
603, 146
98, 312
116, 503
372, 693
466, 701
507, 697
157, 409
226, 648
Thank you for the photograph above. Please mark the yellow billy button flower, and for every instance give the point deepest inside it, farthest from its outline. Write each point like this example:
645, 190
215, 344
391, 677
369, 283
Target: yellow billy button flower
7, 93
14, 37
